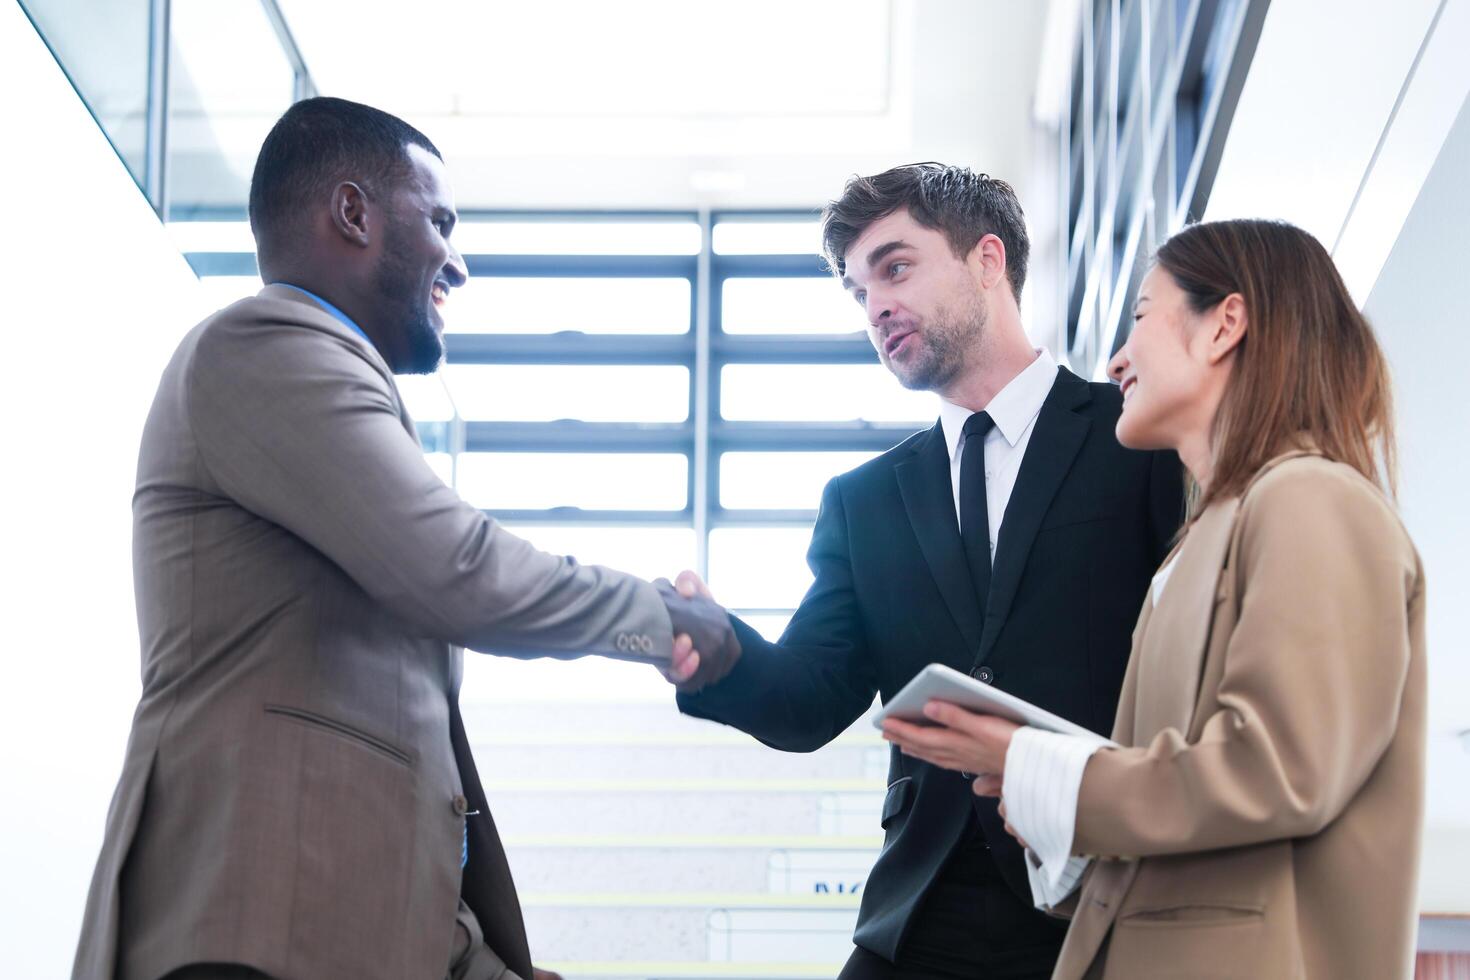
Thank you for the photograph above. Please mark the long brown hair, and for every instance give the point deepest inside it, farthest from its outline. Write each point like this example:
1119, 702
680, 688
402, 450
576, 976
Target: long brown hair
1309, 372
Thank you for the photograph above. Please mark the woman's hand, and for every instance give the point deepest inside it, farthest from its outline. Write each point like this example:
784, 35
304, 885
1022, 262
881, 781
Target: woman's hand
962, 740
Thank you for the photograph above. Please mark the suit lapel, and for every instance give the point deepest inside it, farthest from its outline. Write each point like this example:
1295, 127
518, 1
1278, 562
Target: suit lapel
1054, 444
928, 497
1171, 651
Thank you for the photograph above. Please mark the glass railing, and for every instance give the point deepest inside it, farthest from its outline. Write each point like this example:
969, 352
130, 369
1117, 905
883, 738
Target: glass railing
107, 56
179, 87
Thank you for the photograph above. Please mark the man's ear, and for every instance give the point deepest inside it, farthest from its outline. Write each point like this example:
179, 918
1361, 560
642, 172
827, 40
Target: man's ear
1228, 328
987, 260
350, 213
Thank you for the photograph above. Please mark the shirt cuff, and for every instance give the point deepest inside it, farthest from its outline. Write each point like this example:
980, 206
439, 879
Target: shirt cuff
1045, 895
1043, 778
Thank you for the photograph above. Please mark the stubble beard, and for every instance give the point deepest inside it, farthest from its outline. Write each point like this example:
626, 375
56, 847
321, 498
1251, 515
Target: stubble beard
397, 285
944, 345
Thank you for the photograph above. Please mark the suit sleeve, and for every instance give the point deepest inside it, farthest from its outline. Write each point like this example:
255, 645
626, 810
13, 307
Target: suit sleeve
1308, 701
301, 428
802, 692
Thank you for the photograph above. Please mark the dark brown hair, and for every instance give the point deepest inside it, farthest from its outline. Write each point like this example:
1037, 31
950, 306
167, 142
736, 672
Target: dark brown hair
1308, 372
962, 204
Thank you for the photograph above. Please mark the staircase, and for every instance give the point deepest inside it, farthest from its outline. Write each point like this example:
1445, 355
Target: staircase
650, 845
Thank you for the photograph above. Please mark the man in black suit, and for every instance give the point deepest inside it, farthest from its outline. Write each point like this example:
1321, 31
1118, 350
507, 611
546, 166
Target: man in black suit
1014, 541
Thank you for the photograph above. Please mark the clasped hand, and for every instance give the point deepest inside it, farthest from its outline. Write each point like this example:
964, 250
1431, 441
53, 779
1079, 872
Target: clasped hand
705, 645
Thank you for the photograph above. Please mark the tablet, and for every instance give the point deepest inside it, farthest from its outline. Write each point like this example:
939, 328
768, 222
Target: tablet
938, 682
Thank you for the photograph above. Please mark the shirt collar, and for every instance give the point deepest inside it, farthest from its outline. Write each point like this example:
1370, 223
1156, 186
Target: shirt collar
341, 317
1013, 407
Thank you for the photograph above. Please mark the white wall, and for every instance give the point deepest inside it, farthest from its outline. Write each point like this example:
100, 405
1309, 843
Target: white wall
1422, 314
95, 299
1352, 125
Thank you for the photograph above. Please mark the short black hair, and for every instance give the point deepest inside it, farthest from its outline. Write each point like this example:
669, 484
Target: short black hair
964, 205
318, 143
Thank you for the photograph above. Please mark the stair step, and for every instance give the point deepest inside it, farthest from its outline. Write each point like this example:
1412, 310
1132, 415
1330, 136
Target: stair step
693, 970
685, 900
751, 809
782, 870
531, 762
733, 934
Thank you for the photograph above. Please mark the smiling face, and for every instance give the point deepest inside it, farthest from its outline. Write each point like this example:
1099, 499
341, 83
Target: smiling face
417, 266
1171, 377
925, 306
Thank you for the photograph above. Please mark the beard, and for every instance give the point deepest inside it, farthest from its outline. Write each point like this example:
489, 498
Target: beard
943, 344
420, 349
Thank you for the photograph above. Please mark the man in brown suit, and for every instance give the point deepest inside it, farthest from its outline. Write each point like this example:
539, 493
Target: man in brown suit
298, 797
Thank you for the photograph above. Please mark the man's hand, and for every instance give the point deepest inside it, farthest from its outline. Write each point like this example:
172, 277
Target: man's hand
705, 647
540, 974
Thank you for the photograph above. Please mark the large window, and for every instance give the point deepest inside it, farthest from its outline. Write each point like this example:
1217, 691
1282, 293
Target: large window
651, 391
1154, 84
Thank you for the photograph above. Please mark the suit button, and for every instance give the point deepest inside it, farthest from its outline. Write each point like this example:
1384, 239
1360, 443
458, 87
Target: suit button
460, 804
983, 674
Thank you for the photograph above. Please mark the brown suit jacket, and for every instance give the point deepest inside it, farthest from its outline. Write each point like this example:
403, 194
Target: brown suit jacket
297, 781
1264, 818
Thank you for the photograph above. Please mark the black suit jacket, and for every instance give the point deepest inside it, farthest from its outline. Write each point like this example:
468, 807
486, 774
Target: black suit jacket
1085, 529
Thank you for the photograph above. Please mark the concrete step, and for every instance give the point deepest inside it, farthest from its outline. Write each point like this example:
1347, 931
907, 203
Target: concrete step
548, 722
658, 807
744, 929
610, 760
783, 865
695, 970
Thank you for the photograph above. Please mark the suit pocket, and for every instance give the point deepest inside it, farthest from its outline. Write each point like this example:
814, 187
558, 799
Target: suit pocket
1192, 915
334, 727
900, 795
1218, 942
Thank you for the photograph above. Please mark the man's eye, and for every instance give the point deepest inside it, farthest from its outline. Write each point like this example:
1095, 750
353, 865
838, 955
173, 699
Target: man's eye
861, 297
897, 268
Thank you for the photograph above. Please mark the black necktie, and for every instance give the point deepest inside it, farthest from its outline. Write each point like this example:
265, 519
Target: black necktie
974, 514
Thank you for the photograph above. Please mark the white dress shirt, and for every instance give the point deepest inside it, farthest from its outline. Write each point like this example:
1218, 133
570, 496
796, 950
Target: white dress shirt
1043, 778
1014, 410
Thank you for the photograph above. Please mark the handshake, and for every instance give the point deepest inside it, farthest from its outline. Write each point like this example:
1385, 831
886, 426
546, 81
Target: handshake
705, 645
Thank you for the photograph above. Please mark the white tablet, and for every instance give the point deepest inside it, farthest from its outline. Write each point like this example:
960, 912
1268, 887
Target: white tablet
937, 682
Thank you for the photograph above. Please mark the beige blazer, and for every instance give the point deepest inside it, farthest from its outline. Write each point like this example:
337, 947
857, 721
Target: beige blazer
1264, 819
297, 781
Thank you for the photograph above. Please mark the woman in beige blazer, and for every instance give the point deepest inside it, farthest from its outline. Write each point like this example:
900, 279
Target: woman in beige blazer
1258, 814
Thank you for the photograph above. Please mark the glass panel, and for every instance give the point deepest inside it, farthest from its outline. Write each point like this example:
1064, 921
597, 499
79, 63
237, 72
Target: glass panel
788, 306
104, 51
425, 397
752, 236
759, 567
820, 392
229, 81
585, 237
648, 552
211, 236
499, 304
221, 291
591, 481
792, 480
547, 392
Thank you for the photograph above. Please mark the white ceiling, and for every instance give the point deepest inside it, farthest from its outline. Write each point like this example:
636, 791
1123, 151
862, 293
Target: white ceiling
658, 103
